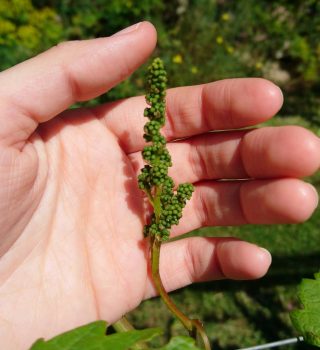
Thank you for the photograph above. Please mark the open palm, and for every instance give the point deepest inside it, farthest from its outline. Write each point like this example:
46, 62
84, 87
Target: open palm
71, 214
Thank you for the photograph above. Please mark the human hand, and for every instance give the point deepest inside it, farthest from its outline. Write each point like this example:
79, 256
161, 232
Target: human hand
71, 212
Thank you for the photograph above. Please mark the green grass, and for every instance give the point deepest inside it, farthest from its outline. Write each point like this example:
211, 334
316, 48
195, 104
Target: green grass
245, 313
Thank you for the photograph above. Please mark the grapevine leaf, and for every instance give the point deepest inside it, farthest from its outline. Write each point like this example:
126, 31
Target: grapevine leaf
122, 341
307, 320
180, 342
68, 339
93, 337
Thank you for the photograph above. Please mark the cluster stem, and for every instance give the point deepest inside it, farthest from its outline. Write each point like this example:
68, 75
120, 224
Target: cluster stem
193, 326
159, 187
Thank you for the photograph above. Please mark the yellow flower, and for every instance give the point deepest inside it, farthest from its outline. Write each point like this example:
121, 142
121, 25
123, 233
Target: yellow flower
194, 70
219, 39
258, 65
225, 16
177, 59
230, 50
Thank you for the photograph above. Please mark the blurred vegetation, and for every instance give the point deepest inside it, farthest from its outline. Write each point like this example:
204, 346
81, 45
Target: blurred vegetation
202, 41
199, 40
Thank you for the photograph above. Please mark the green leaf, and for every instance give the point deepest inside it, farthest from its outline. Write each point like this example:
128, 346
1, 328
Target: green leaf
122, 341
307, 320
180, 343
93, 337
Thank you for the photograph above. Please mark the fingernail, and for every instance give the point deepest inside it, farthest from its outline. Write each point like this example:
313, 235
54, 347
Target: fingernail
128, 29
266, 254
315, 194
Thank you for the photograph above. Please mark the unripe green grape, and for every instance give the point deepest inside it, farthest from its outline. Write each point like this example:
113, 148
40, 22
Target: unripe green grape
154, 176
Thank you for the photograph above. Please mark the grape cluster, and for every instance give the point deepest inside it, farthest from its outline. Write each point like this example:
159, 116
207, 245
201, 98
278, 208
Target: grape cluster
154, 178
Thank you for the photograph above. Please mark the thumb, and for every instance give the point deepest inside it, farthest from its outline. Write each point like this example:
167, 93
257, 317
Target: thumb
38, 89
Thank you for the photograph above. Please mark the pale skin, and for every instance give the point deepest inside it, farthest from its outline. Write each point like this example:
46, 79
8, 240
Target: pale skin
71, 214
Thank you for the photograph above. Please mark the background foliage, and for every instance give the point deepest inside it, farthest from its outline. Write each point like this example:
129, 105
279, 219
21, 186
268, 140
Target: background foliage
199, 40
202, 41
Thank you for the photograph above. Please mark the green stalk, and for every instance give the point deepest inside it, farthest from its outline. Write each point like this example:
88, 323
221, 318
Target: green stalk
149, 195
159, 186
123, 325
194, 327
157, 203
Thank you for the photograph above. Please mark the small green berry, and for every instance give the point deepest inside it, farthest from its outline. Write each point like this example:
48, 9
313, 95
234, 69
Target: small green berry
154, 176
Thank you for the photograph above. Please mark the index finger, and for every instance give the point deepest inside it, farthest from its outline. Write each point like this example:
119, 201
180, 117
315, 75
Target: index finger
37, 90
192, 110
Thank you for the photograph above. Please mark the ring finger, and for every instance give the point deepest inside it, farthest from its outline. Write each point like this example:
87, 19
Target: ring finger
229, 203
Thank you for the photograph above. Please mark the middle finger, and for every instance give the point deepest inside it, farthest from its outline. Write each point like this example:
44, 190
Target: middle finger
269, 152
